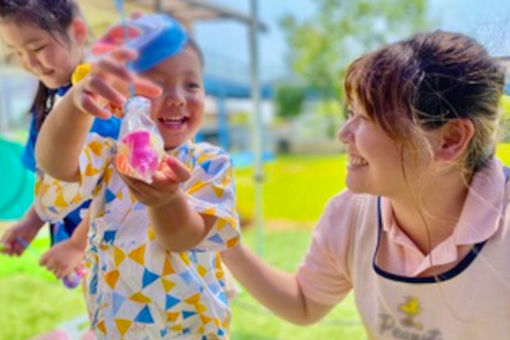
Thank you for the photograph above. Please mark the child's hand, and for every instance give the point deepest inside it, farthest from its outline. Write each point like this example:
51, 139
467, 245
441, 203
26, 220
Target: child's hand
165, 183
63, 258
24, 230
108, 83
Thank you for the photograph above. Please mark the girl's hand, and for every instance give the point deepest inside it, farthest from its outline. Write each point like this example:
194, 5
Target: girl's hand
108, 82
165, 183
63, 258
26, 230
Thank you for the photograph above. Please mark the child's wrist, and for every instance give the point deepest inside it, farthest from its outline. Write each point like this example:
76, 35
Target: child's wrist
169, 199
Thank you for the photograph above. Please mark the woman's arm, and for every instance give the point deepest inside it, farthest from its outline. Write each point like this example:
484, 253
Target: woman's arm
277, 290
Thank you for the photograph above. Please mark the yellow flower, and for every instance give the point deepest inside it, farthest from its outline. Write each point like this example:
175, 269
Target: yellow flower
80, 72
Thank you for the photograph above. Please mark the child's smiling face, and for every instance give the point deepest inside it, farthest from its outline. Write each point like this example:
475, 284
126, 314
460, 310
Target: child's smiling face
178, 112
50, 57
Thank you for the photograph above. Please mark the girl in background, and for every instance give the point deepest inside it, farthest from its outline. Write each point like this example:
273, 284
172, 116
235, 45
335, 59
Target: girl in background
48, 39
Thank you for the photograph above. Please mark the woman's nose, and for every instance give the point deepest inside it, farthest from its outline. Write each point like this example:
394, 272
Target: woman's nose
345, 133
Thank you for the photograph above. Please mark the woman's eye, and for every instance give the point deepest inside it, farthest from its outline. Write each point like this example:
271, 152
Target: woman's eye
193, 85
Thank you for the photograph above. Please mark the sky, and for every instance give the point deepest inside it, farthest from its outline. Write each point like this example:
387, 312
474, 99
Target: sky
226, 42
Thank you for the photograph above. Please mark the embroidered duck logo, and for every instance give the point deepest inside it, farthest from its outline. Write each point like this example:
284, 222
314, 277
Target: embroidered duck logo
411, 308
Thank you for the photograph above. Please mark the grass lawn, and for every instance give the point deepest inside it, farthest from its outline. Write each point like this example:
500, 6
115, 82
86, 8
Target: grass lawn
296, 187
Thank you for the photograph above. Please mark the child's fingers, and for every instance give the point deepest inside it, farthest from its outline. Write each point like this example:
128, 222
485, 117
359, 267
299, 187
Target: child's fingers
114, 68
136, 186
43, 261
123, 54
147, 88
89, 105
180, 171
100, 86
62, 271
17, 249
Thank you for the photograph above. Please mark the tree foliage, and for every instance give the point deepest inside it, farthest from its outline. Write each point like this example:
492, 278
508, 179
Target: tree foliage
289, 100
340, 31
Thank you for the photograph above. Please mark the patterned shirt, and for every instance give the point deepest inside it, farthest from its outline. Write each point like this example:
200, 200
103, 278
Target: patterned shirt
136, 288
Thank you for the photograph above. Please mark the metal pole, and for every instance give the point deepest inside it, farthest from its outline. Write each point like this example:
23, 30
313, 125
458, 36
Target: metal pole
257, 132
158, 6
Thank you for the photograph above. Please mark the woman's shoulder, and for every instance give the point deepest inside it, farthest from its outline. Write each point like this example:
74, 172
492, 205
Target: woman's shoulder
351, 201
348, 209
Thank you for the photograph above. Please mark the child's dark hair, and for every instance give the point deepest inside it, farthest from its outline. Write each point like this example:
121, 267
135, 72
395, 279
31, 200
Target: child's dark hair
194, 46
52, 16
425, 82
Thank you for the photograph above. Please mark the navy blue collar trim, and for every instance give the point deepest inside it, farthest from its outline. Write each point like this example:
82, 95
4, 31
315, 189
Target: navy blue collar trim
61, 91
466, 261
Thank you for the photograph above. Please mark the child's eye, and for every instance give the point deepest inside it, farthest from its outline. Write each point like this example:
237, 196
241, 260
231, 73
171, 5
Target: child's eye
193, 85
39, 49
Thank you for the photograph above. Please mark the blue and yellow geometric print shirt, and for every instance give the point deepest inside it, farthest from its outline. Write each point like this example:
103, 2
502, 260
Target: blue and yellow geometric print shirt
135, 288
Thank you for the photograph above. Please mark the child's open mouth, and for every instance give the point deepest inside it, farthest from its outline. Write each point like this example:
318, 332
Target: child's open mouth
173, 122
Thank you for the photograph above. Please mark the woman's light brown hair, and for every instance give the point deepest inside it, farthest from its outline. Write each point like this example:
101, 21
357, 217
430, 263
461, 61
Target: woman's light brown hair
426, 81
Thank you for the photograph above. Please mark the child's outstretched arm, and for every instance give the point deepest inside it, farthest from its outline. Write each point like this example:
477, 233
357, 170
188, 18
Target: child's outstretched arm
177, 226
279, 291
64, 132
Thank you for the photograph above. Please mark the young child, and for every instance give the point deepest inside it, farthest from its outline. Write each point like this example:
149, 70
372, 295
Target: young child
154, 268
421, 234
47, 40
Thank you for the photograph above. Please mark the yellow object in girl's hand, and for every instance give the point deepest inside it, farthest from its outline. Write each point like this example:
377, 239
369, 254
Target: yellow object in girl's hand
80, 72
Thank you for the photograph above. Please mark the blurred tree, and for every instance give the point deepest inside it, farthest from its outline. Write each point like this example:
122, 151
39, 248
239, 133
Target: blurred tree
505, 118
322, 46
289, 100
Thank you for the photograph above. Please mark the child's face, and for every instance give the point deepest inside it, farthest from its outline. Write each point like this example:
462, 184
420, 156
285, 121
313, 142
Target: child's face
178, 112
376, 161
48, 57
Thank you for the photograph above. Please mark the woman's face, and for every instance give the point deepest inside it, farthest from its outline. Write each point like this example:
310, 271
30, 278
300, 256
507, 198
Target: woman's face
376, 162
49, 57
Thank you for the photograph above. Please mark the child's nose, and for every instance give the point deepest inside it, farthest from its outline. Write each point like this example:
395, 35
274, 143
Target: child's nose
174, 98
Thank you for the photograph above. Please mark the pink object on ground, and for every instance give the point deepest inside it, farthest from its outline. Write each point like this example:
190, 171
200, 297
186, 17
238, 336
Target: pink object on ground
90, 335
59, 334
54, 335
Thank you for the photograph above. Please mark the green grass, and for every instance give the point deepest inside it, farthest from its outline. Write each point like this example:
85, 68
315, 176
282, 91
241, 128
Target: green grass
296, 187
36, 302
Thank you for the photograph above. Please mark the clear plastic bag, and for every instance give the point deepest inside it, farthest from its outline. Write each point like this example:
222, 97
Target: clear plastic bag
140, 147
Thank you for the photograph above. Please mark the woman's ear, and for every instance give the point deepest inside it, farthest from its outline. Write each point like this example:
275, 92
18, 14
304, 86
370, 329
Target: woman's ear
454, 139
79, 30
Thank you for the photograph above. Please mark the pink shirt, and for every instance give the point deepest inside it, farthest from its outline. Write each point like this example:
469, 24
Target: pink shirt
474, 225
325, 271
471, 300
